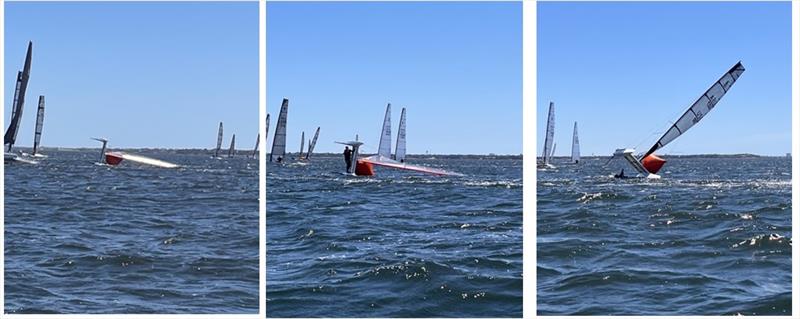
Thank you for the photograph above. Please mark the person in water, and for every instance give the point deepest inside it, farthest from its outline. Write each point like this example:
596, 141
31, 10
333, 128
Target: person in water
348, 157
621, 174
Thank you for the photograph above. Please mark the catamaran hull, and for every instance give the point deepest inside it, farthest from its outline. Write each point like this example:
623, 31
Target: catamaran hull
653, 163
113, 159
364, 168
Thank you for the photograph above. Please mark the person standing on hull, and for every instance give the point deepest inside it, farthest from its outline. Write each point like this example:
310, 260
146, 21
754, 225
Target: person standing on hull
348, 157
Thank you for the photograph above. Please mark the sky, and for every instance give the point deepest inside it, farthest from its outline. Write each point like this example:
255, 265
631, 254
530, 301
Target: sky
456, 67
625, 71
141, 74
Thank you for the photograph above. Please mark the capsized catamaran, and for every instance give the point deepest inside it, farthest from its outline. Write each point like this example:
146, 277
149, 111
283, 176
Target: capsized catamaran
16, 109
576, 148
547, 153
648, 164
279, 140
364, 165
115, 158
219, 141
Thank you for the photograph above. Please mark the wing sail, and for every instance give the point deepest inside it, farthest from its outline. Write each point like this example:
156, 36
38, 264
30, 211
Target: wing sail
576, 147
37, 137
219, 140
302, 144
385, 146
400, 147
548, 135
19, 99
279, 140
699, 108
312, 144
232, 149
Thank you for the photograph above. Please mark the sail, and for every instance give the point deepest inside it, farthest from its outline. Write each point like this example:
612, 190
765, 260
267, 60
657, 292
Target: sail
699, 108
37, 134
255, 149
232, 150
266, 134
19, 99
302, 144
279, 140
219, 140
312, 143
548, 135
400, 147
576, 148
385, 146
552, 153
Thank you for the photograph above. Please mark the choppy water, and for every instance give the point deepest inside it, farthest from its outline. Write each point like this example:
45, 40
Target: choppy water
399, 244
84, 238
713, 237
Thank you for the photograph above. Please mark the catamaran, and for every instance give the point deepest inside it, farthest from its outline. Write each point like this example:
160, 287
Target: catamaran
219, 141
547, 154
278, 152
648, 164
576, 147
364, 166
115, 158
16, 110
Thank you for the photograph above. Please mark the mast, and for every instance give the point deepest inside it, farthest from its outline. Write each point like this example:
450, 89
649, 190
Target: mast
232, 150
19, 100
548, 136
400, 147
312, 143
219, 140
576, 148
385, 146
37, 134
279, 141
699, 108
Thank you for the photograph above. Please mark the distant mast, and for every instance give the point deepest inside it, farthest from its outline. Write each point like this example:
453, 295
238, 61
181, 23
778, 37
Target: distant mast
312, 144
37, 134
385, 146
548, 136
255, 149
279, 140
302, 145
219, 140
576, 148
19, 100
400, 147
232, 150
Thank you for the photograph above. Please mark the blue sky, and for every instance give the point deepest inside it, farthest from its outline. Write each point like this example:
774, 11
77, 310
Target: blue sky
141, 74
456, 67
625, 71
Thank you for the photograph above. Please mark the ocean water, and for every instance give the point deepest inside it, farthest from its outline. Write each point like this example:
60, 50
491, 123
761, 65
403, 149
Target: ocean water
86, 238
399, 244
712, 237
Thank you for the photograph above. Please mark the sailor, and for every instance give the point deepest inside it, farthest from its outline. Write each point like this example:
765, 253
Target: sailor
621, 174
348, 157
280, 159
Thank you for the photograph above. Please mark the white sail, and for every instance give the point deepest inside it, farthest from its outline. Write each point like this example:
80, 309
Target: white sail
548, 135
37, 137
553, 153
302, 144
232, 150
400, 147
385, 146
312, 143
576, 148
279, 140
219, 140
699, 108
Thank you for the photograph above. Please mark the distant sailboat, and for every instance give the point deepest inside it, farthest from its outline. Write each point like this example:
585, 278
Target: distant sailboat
400, 147
37, 137
649, 164
255, 149
279, 140
232, 149
219, 141
548, 139
385, 144
302, 145
576, 147
312, 143
16, 108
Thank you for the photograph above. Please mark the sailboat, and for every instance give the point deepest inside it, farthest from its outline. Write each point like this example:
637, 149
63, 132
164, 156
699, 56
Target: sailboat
400, 147
255, 149
302, 145
547, 154
16, 110
115, 158
648, 164
364, 166
219, 141
576, 147
279, 140
232, 149
312, 143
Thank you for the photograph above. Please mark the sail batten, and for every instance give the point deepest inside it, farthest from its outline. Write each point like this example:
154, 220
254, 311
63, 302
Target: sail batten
385, 145
400, 147
37, 134
576, 148
548, 136
700, 108
312, 143
279, 140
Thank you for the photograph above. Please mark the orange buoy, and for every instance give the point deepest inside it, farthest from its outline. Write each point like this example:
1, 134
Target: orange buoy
364, 168
653, 163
